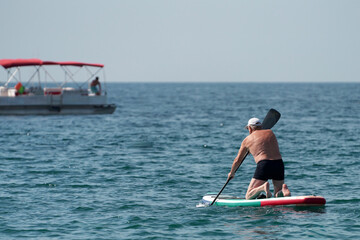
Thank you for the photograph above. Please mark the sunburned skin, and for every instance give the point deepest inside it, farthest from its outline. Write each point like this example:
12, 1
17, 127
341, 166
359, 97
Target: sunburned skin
262, 144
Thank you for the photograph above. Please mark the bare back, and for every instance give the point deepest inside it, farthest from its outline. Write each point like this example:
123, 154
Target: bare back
262, 144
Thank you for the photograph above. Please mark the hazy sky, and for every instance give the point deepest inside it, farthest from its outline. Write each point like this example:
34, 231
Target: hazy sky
190, 40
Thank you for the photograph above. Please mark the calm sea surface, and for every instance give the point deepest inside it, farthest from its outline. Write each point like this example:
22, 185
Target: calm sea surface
139, 173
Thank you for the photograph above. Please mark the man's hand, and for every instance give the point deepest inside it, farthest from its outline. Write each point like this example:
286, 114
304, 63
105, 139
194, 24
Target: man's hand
230, 176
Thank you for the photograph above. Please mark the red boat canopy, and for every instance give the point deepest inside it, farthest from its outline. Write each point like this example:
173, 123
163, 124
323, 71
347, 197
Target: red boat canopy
77, 64
9, 63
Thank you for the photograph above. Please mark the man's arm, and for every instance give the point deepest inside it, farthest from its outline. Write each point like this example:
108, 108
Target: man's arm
238, 160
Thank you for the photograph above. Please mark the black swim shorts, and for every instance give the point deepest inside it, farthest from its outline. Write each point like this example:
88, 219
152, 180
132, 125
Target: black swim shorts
269, 169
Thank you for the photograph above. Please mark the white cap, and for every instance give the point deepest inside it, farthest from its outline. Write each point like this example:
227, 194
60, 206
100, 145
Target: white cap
253, 122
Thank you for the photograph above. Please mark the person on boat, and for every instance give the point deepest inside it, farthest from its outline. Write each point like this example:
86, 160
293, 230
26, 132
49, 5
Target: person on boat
94, 86
263, 145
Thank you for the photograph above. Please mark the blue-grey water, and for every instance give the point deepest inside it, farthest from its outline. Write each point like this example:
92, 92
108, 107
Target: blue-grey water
140, 172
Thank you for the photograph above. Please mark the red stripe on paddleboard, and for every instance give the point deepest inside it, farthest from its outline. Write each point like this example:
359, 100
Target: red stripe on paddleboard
300, 201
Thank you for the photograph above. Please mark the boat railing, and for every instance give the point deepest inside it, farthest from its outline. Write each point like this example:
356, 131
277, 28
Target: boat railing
38, 91
52, 91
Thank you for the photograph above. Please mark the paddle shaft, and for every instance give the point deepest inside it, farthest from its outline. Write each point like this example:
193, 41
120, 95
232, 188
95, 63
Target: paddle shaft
247, 153
269, 121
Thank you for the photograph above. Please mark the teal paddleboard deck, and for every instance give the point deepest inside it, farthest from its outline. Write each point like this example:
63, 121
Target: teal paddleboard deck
231, 201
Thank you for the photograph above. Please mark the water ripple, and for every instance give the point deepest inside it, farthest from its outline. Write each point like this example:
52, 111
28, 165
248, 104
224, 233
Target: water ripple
139, 173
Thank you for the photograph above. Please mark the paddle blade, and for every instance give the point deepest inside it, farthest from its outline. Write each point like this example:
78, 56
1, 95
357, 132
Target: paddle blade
271, 118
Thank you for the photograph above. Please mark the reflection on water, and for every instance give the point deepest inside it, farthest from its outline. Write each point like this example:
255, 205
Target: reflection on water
263, 232
270, 222
303, 209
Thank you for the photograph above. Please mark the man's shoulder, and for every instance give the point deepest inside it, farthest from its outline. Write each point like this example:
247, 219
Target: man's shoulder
246, 139
265, 131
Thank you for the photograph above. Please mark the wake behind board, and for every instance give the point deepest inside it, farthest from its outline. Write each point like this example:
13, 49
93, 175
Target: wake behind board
231, 201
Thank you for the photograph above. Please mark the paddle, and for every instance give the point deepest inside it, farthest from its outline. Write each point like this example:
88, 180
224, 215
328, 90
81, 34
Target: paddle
269, 121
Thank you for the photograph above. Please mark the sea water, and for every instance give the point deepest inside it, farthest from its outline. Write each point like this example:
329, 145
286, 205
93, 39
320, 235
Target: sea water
140, 172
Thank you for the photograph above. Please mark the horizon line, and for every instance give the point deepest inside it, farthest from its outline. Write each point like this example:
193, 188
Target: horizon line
274, 82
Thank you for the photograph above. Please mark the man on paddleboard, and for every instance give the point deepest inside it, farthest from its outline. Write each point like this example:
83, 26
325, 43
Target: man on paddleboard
263, 145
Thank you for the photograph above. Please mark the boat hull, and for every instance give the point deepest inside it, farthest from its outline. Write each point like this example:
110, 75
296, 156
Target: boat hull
65, 104
57, 109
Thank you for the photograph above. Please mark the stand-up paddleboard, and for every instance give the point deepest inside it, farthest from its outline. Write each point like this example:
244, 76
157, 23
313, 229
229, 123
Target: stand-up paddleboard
231, 201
